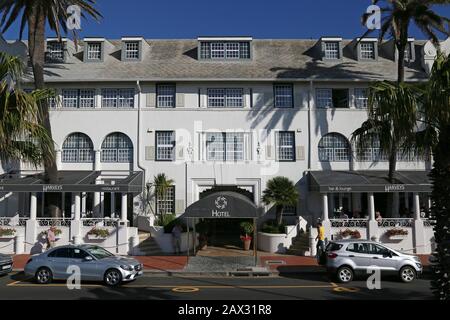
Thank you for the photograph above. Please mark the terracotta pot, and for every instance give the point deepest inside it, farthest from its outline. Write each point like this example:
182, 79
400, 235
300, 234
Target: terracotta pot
247, 244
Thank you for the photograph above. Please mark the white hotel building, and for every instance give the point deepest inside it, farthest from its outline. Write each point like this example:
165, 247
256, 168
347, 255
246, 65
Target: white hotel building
219, 111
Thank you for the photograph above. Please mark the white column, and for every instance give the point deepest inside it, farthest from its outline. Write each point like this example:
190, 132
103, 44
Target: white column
123, 212
325, 207
33, 206
97, 163
77, 215
102, 204
58, 157
416, 202
371, 203
96, 204
83, 202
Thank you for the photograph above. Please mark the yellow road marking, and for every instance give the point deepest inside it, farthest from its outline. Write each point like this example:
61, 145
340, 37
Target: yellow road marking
185, 289
345, 289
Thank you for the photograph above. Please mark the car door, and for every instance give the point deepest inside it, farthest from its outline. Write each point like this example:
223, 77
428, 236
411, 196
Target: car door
358, 252
383, 257
87, 264
58, 261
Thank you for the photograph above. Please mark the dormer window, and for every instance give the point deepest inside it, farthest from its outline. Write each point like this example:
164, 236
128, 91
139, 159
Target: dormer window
332, 50
224, 48
132, 48
367, 49
55, 50
94, 49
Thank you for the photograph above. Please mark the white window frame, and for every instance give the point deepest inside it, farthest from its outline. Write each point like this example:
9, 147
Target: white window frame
367, 50
166, 95
282, 146
283, 95
361, 98
244, 150
324, 98
132, 50
94, 51
332, 50
225, 97
165, 145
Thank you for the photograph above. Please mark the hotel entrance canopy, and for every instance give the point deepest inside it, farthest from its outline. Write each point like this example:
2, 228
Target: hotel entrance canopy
223, 205
72, 181
369, 181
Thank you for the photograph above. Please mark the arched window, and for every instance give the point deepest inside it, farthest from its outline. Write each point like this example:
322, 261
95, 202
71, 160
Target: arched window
77, 148
117, 147
334, 147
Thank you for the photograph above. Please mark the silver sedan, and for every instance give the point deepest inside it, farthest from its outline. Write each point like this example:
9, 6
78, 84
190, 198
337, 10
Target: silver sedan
93, 262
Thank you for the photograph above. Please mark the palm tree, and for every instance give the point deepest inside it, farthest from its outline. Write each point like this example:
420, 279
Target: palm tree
435, 115
280, 192
392, 118
397, 18
22, 138
35, 14
162, 184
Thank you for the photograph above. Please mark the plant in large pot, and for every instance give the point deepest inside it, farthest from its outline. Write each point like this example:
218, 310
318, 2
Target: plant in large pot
202, 228
247, 230
7, 233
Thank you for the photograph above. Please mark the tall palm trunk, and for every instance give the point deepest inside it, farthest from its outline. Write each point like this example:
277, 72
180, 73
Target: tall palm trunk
279, 215
441, 213
36, 38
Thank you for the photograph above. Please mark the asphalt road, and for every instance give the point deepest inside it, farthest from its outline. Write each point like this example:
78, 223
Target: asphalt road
149, 287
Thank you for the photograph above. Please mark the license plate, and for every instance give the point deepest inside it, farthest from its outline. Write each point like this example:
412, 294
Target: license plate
8, 266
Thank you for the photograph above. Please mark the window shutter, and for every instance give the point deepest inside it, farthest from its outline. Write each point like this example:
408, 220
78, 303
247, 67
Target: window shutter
269, 152
151, 99
180, 153
300, 154
179, 206
150, 153
180, 100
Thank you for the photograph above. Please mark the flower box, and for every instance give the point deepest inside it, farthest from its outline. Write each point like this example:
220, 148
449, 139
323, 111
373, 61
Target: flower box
7, 233
95, 237
398, 237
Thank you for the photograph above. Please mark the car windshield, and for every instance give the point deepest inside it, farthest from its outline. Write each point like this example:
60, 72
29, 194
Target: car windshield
99, 253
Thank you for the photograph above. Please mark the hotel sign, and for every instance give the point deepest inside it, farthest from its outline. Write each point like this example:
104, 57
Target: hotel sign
375, 188
57, 188
220, 211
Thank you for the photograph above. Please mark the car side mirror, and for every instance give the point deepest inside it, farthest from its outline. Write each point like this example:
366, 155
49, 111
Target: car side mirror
88, 258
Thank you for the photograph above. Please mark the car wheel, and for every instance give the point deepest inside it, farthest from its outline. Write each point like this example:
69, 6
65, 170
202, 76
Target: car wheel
344, 274
113, 277
44, 276
407, 274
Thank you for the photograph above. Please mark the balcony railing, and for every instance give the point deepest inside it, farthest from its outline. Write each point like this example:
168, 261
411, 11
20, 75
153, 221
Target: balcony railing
100, 222
396, 222
348, 223
13, 222
54, 222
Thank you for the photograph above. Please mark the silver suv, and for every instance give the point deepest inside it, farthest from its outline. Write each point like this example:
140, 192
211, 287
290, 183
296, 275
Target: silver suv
346, 258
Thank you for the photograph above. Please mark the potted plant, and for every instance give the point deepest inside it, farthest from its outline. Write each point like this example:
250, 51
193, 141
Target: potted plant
397, 234
56, 231
349, 234
7, 232
98, 233
247, 230
202, 228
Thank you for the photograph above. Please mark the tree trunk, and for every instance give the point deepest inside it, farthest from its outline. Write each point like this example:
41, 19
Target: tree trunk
391, 206
440, 175
279, 212
36, 38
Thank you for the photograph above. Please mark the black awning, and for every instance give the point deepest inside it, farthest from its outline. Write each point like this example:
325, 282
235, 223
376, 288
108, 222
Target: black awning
223, 205
72, 181
369, 181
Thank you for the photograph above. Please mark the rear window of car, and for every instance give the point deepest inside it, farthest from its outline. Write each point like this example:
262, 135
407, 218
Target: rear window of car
332, 246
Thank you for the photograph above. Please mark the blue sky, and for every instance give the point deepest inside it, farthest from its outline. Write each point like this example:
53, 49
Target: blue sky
260, 19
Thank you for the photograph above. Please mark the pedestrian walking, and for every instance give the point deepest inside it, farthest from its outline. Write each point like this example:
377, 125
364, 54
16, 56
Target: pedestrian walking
176, 237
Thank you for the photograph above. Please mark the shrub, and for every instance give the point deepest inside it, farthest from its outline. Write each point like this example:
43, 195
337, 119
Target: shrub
164, 219
99, 233
396, 232
247, 228
272, 226
7, 232
354, 234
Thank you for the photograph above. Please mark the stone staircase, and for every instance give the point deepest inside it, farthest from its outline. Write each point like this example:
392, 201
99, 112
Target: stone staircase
300, 245
148, 246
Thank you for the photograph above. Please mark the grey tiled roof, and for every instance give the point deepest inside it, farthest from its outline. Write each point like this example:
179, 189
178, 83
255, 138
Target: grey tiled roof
272, 60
